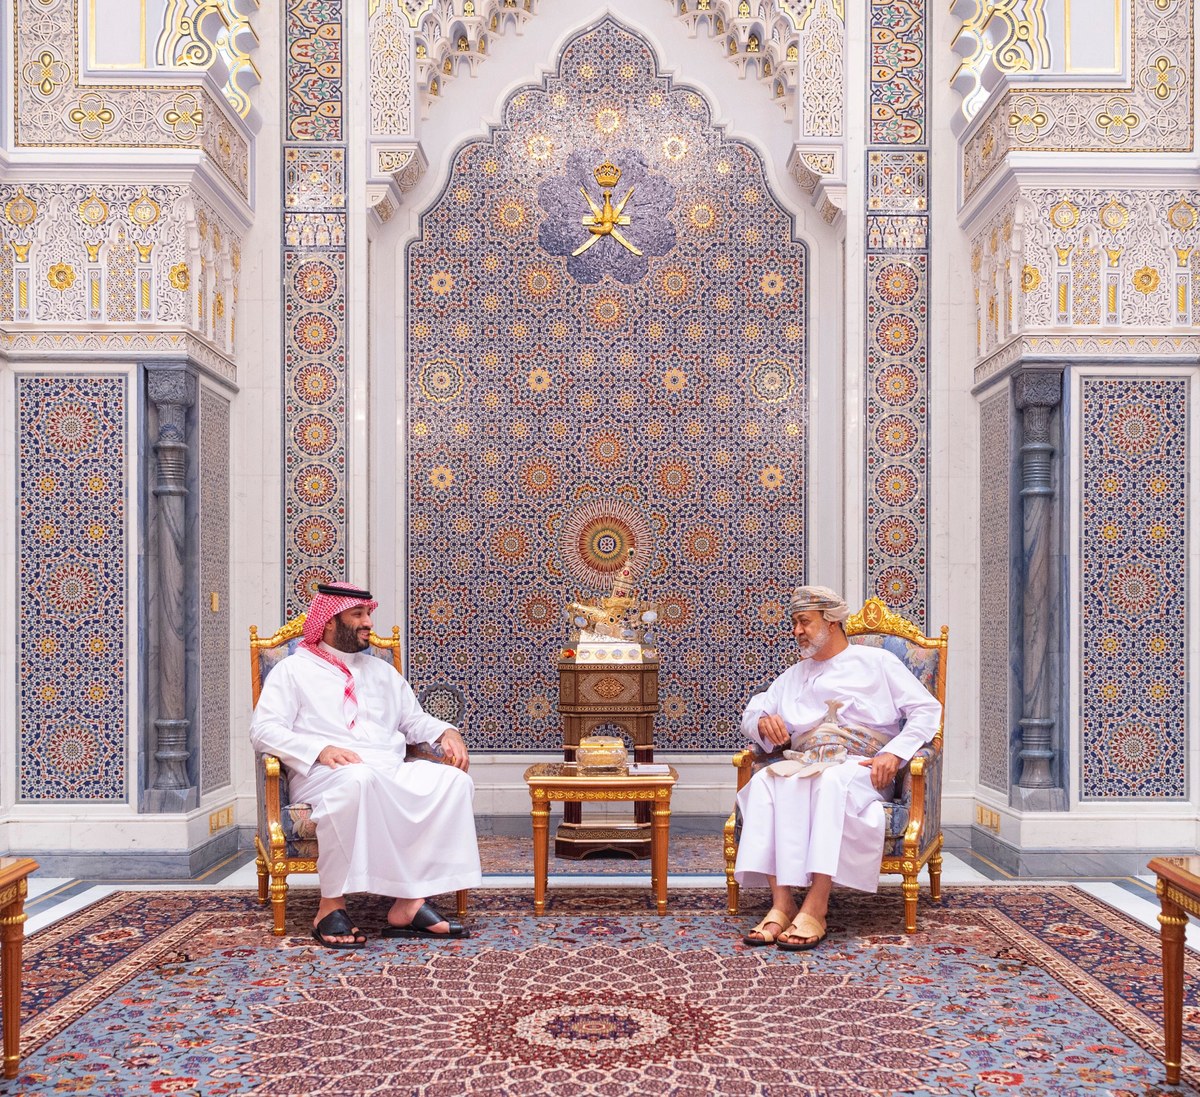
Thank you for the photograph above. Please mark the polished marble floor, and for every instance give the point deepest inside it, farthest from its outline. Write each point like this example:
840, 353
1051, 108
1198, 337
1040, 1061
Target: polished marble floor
51, 899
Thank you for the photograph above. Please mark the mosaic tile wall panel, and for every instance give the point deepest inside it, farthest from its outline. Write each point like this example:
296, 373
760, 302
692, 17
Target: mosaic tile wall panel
995, 567
314, 302
896, 330
72, 589
572, 395
1133, 577
897, 68
215, 724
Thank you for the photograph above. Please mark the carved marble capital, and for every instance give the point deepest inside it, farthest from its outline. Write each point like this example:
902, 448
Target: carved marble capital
396, 167
1038, 388
403, 163
172, 391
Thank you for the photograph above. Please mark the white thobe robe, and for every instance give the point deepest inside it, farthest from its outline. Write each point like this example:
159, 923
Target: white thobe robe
383, 825
832, 823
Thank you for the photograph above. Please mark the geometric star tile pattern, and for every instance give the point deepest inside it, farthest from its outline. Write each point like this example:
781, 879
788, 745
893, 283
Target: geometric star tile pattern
574, 395
314, 311
72, 590
896, 336
1133, 584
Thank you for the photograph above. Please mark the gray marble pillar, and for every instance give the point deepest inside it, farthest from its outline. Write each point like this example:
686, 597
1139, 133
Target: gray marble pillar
1038, 397
172, 391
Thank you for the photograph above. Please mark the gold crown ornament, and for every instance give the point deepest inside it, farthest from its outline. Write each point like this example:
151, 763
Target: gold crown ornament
607, 174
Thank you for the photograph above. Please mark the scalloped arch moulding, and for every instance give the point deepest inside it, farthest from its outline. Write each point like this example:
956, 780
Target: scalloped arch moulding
794, 49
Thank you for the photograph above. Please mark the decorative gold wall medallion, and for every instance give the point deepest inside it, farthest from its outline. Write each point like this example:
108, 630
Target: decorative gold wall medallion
605, 219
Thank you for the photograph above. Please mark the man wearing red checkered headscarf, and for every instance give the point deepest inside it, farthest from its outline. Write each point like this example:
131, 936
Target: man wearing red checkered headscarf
341, 720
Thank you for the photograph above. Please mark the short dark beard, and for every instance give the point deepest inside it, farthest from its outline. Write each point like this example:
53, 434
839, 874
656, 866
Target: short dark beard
345, 638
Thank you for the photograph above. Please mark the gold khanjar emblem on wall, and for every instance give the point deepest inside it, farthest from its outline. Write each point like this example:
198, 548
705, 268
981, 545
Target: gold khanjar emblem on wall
606, 219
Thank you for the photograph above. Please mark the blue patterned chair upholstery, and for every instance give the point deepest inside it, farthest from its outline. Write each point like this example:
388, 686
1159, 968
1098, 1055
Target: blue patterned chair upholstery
913, 835
280, 849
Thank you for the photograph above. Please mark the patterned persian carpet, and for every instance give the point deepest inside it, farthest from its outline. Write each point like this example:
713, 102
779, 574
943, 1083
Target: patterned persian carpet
691, 854
1005, 990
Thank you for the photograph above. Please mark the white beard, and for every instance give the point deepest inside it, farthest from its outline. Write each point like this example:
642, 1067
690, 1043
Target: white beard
807, 651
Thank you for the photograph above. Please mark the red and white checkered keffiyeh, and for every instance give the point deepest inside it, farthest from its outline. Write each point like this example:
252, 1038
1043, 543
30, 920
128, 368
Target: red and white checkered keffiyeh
332, 599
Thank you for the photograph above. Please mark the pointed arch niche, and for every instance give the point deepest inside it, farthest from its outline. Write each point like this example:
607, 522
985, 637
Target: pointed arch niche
547, 408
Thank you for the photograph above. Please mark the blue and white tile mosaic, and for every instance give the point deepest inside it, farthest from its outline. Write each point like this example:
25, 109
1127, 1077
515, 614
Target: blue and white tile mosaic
72, 588
314, 301
574, 394
1133, 556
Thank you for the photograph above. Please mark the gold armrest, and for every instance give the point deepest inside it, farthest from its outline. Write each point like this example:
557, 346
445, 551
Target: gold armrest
916, 810
744, 760
272, 768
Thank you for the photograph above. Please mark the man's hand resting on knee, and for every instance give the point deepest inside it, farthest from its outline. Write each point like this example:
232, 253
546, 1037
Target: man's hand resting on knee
333, 757
884, 768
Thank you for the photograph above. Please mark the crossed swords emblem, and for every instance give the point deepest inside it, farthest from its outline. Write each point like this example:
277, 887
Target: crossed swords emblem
606, 219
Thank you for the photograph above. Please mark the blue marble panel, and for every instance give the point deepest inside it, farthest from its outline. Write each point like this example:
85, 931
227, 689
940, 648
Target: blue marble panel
214, 507
995, 573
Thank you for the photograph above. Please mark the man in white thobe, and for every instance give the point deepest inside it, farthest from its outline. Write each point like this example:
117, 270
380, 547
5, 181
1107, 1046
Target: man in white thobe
340, 719
824, 824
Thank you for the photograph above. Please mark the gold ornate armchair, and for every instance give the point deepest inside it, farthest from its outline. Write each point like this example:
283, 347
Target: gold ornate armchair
280, 850
913, 835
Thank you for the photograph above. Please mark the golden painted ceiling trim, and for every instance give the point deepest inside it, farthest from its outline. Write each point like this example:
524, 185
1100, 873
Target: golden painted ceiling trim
1008, 36
1151, 112
196, 32
53, 109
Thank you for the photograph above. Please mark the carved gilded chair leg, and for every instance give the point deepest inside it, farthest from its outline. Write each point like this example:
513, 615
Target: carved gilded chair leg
261, 866
279, 903
935, 876
911, 888
731, 884
461, 898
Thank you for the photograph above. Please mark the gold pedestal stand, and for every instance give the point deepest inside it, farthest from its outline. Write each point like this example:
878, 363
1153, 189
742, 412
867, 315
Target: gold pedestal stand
592, 697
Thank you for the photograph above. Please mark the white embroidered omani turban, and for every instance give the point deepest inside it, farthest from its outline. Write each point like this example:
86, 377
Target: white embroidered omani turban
831, 605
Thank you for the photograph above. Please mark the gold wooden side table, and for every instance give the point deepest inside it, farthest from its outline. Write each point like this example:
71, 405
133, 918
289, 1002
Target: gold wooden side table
595, 696
13, 889
1179, 895
550, 781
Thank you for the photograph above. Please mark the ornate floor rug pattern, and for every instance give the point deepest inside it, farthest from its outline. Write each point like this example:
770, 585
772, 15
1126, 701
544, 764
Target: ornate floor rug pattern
691, 854
1005, 990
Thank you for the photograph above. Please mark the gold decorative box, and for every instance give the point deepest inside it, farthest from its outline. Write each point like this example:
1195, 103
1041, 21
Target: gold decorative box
600, 754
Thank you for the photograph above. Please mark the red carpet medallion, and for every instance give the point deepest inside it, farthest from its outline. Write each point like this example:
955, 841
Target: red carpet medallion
1006, 990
